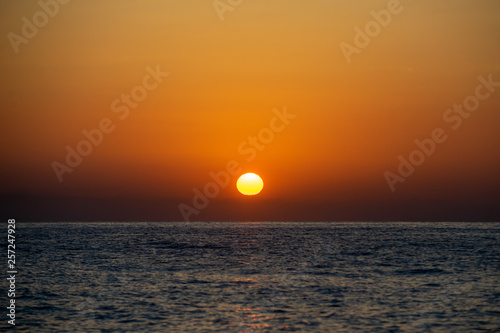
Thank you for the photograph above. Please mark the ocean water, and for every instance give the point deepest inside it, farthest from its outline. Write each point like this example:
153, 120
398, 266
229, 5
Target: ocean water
257, 277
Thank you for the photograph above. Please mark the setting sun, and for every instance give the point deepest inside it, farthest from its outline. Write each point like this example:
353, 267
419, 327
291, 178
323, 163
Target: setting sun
249, 184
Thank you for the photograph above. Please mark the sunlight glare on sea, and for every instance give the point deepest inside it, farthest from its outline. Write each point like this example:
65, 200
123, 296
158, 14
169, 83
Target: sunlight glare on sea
258, 277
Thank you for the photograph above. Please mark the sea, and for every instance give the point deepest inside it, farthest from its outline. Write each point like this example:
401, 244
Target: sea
256, 277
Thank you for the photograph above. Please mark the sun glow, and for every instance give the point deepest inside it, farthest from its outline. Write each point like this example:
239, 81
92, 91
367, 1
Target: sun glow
249, 184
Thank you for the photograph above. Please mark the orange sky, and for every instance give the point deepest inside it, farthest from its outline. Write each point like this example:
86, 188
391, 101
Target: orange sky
353, 119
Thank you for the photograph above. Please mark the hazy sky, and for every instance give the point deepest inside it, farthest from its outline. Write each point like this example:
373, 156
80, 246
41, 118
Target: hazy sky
103, 64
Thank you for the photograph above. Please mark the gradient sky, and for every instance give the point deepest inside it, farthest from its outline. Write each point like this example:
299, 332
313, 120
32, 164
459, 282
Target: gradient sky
353, 120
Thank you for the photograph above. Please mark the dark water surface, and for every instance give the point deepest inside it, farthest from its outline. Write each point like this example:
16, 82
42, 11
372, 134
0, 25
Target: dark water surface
257, 277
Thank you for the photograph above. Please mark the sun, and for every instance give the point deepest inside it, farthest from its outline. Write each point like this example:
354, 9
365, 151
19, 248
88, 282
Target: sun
249, 184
